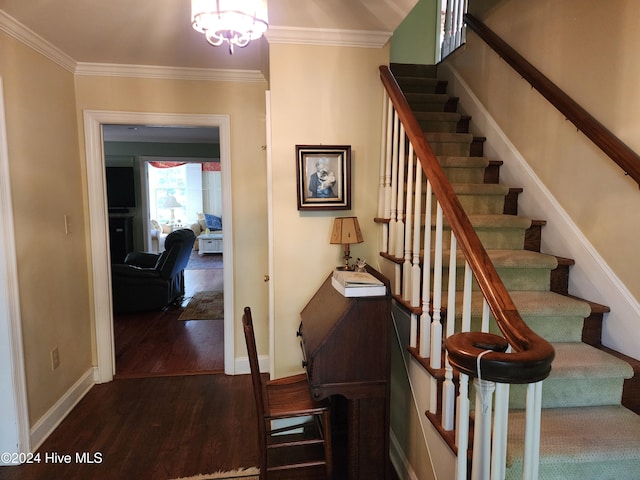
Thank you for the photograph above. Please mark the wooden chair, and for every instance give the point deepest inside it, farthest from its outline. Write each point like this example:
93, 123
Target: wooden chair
288, 398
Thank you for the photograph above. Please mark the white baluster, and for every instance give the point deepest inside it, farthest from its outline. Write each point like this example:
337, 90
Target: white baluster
466, 300
486, 315
482, 432
462, 428
500, 427
399, 245
417, 216
413, 331
532, 432
387, 176
448, 388
407, 272
383, 158
436, 324
425, 319
394, 186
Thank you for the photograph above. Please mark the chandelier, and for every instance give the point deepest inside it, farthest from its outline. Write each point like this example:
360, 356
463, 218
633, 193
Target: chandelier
235, 22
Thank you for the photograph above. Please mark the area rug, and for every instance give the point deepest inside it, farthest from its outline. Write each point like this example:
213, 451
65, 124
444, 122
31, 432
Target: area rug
204, 262
204, 306
245, 474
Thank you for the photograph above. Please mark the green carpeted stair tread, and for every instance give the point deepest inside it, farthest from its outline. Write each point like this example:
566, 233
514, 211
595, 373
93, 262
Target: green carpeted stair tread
480, 189
581, 376
580, 443
511, 259
579, 360
448, 137
449, 161
438, 116
541, 304
485, 222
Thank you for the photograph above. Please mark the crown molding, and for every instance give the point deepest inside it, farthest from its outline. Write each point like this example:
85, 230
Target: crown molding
31, 39
168, 73
328, 37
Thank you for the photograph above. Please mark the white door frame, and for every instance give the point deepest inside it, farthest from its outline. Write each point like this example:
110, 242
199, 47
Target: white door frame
98, 225
14, 420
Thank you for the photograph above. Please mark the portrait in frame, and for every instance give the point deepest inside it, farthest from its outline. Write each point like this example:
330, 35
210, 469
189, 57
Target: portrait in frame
324, 177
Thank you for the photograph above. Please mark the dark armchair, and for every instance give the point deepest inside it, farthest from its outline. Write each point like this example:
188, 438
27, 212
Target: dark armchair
148, 281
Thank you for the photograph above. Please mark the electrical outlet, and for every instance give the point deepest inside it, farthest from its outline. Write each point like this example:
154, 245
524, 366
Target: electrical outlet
55, 358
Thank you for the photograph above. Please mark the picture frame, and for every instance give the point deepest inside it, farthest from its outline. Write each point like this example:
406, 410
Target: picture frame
324, 177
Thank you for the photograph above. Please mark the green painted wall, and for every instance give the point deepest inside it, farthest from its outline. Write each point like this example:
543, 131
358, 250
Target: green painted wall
414, 41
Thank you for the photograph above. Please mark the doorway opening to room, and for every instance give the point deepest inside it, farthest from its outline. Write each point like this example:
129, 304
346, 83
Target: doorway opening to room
177, 180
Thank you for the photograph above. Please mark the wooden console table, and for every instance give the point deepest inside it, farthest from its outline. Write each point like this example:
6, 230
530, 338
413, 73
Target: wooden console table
346, 347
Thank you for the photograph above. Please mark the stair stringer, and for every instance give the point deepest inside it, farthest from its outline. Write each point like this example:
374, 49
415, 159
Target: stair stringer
591, 277
413, 465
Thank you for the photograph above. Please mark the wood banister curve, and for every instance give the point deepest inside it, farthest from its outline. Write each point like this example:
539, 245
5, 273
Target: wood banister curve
612, 146
531, 360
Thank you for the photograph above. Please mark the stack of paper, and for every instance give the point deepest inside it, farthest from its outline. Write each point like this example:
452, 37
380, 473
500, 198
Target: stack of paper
357, 284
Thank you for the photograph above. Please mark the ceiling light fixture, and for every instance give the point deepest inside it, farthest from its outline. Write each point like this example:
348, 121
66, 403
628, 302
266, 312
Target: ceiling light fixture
236, 22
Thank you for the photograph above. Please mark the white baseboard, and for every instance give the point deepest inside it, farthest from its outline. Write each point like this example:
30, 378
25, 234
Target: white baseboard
591, 278
50, 420
242, 365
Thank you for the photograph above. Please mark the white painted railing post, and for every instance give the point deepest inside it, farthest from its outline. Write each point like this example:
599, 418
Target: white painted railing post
448, 388
425, 318
394, 186
532, 432
482, 432
387, 175
407, 284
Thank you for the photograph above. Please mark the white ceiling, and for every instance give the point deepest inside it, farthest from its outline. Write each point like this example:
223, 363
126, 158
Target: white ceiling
159, 33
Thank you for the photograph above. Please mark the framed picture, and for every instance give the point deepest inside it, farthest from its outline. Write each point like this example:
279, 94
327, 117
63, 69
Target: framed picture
324, 177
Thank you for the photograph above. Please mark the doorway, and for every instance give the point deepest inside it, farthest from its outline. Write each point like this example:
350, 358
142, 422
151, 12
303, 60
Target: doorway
168, 193
98, 219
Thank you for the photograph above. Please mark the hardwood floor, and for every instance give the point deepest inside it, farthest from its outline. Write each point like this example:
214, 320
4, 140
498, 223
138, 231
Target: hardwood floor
153, 428
157, 343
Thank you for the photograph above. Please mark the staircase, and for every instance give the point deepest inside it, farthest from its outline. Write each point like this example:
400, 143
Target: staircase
585, 431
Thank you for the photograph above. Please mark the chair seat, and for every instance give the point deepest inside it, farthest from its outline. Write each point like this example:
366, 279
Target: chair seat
290, 396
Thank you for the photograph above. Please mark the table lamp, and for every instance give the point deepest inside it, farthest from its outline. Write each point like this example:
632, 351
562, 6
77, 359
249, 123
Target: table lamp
171, 203
346, 231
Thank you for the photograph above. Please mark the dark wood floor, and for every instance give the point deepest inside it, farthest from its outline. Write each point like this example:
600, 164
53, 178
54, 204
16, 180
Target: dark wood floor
157, 343
153, 428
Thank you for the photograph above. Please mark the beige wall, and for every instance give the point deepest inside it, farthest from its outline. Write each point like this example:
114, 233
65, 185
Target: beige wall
245, 105
46, 185
588, 48
330, 96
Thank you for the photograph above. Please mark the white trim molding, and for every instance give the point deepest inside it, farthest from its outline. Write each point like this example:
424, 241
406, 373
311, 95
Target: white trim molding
98, 220
168, 73
14, 420
52, 418
328, 37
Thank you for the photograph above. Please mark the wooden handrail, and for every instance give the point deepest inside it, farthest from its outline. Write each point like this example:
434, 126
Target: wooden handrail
611, 145
532, 357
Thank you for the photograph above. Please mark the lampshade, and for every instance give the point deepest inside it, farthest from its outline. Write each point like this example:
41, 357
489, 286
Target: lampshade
236, 22
170, 202
346, 230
